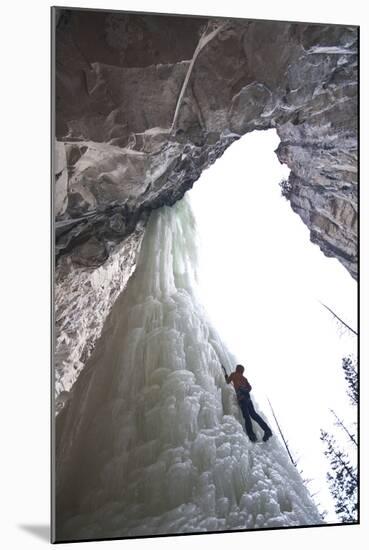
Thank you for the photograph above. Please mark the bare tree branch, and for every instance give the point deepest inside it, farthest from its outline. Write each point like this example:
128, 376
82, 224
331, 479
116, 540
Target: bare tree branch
339, 319
282, 436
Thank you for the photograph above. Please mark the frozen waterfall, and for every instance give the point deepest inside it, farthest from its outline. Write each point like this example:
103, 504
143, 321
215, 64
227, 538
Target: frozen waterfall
152, 440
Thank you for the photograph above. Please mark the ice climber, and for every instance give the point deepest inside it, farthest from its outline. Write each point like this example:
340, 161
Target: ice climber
243, 388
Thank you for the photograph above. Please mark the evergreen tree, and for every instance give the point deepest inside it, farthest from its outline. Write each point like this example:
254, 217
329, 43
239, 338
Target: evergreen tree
350, 369
342, 478
342, 481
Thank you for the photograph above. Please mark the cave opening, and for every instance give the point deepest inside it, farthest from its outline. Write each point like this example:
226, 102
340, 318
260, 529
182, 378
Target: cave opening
263, 283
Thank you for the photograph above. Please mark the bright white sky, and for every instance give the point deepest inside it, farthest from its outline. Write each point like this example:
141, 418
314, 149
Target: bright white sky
261, 280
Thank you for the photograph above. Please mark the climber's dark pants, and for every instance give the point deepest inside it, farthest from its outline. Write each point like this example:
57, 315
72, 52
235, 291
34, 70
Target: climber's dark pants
248, 411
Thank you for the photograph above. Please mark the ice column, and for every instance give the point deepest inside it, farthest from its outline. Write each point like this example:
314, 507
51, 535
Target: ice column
152, 440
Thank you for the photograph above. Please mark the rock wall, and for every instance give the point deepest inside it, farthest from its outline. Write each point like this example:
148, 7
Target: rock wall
84, 298
145, 103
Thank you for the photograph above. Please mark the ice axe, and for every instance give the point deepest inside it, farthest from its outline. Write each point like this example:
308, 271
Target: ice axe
225, 372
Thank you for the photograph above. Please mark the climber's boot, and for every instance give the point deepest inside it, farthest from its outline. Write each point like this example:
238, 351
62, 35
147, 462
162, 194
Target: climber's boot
267, 435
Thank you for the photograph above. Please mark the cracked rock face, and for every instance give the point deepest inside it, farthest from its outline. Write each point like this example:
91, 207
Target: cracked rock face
145, 103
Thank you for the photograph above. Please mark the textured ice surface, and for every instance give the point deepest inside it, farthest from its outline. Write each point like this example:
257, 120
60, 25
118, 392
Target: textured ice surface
152, 440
